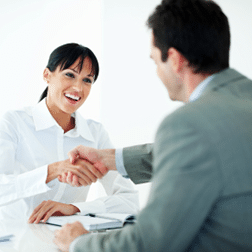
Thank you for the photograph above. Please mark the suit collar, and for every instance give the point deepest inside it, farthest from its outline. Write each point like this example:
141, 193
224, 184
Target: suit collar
223, 78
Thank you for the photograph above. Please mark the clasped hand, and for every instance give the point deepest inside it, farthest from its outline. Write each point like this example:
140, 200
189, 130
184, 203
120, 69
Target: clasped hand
88, 165
78, 173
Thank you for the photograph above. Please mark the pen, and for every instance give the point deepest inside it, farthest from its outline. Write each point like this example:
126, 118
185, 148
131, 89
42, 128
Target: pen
91, 215
6, 238
53, 224
103, 217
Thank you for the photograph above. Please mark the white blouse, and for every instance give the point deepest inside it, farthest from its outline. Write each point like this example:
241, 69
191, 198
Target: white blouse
30, 140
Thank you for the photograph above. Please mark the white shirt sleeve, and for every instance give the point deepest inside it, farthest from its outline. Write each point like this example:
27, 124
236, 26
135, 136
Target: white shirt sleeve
14, 183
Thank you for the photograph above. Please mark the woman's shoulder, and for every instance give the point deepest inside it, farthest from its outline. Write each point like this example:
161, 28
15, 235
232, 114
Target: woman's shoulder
91, 123
17, 115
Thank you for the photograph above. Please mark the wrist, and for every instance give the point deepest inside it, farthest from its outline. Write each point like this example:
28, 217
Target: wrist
109, 159
75, 209
52, 172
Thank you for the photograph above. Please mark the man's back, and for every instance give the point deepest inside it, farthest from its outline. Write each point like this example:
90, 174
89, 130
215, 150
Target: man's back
209, 168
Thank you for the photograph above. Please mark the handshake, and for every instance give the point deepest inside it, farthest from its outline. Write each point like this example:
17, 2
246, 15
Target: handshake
84, 166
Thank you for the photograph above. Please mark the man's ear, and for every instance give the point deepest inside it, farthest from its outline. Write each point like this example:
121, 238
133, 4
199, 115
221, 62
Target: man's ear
178, 61
46, 75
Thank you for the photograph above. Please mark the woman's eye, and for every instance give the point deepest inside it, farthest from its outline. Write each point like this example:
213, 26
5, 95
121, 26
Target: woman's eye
70, 75
87, 81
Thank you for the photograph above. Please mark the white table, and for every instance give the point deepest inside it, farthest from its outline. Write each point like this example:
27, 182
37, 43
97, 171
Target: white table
28, 237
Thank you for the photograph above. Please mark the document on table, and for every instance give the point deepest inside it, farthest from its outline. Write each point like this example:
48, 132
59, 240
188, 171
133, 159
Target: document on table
93, 222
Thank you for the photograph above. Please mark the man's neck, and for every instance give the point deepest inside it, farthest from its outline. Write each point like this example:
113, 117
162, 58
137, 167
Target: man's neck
191, 81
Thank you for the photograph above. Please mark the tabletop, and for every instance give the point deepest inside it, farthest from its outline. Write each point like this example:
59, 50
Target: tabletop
28, 237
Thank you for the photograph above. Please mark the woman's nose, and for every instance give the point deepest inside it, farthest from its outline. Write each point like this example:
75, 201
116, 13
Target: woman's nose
77, 85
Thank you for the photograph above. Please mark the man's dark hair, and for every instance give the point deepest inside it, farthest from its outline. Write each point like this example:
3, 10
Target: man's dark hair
198, 29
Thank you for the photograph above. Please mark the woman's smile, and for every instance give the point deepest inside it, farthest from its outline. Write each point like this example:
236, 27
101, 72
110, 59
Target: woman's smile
72, 98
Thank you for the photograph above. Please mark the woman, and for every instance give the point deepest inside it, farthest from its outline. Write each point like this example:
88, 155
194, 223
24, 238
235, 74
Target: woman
34, 143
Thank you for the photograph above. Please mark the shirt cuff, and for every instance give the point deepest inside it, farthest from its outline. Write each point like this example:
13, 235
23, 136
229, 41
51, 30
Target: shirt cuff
119, 163
32, 182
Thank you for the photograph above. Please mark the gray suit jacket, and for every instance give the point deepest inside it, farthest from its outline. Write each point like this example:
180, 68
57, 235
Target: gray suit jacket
201, 194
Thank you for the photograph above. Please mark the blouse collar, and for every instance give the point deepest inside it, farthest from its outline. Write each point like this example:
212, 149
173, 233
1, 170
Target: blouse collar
44, 120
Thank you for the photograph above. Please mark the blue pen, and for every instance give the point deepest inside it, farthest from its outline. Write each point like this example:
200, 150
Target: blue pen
6, 238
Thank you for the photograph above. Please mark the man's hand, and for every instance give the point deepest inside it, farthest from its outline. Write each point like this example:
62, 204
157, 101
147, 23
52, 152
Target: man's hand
103, 160
51, 208
99, 163
67, 234
81, 169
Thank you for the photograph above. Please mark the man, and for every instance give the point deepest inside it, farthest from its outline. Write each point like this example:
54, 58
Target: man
200, 163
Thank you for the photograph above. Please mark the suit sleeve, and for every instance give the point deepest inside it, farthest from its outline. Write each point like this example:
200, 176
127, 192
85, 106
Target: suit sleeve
138, 162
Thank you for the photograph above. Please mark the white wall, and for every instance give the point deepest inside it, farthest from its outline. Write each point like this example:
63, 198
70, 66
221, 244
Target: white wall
128, 97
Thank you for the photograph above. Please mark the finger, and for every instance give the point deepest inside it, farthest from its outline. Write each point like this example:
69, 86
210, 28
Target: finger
60, 178
94, 170
76, 181
73, 155
87, 175
82, 182
49, 214
73, 180
80, 173
69, 178
64, 177
89, 170
42, 212
83, 179
35, 211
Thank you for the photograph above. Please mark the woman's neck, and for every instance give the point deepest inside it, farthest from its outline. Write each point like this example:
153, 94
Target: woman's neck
64, 120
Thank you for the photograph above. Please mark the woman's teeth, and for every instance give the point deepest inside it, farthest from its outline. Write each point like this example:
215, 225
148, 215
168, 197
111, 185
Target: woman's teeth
73, 97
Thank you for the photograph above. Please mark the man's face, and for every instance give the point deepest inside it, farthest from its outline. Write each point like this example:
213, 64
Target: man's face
166, 74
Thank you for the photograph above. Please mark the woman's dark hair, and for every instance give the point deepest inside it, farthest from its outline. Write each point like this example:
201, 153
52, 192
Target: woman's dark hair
65, 55
198, 29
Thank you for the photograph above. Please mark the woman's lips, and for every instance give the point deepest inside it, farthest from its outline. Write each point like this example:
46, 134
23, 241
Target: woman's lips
73, 99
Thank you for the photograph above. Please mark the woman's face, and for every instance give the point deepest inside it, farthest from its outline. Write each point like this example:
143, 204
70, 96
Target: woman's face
69, 88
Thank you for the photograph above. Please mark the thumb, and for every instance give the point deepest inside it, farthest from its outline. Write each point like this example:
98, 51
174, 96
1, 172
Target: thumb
73, 155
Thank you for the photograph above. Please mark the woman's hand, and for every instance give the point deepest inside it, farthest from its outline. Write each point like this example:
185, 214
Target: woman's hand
51, 208
82, 173
67, 234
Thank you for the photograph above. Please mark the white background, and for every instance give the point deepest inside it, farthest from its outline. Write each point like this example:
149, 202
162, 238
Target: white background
128, 98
